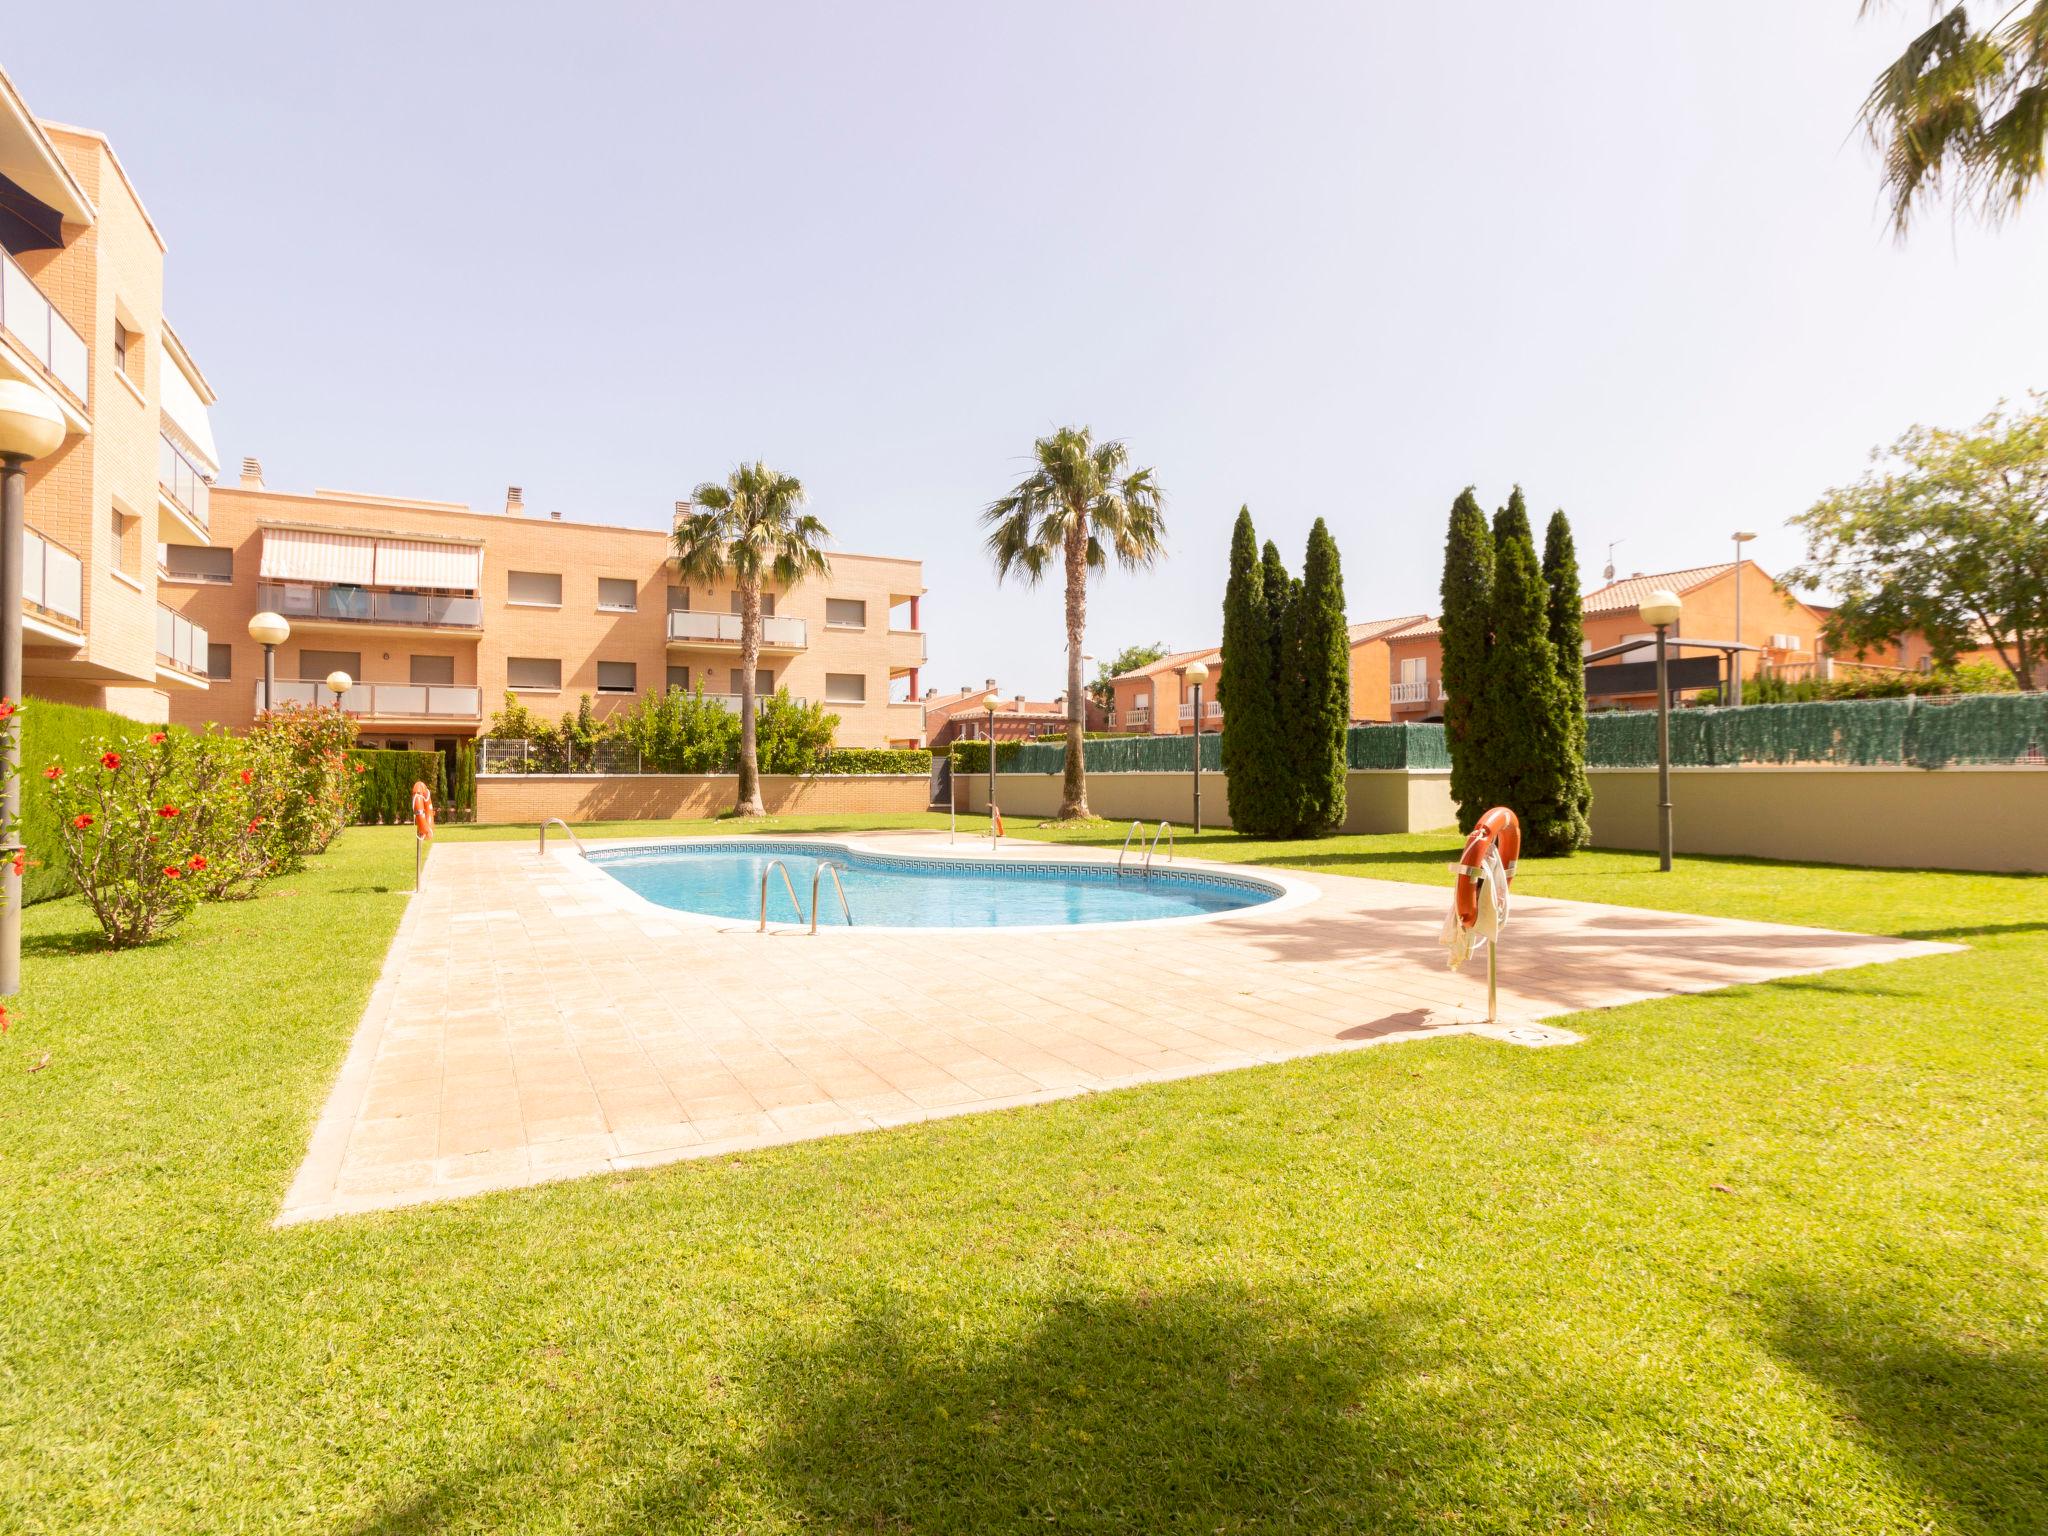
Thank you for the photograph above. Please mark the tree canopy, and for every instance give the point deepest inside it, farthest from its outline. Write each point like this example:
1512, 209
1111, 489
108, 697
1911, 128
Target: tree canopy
1947, 535
1129, 659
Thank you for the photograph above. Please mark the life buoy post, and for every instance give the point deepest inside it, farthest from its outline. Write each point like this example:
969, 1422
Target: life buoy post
422, 827
995, 825
1486, 872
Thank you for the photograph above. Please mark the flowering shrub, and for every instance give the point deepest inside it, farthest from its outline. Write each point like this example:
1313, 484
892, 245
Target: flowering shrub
239, 788
132, 843
308, 750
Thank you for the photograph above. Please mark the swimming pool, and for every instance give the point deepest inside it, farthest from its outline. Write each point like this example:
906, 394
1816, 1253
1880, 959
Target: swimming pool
888, 890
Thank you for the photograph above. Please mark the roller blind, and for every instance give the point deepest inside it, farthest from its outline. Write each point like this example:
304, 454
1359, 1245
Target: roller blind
543, 587
533, 672
295, 554
421, 563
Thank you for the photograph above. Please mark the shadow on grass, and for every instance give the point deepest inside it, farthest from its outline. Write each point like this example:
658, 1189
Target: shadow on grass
1973, 931
1966, 1422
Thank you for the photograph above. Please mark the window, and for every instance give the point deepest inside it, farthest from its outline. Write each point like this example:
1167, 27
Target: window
618, 594
1141, 701
127, 352
196, 562
846, 688
679, 677
125, 542
314, 665
220, 660
1414, 669
433, 669
846, 613
767, 603
617, 676
534, 589
678, 599
537, 672
764, 682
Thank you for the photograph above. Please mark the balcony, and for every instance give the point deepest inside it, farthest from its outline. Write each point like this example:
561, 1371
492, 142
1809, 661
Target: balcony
41, 332
180, 483
180, 646
1410, 693
389, 701
1134, 719
52, 582
1212, 713
688, 626
308, 603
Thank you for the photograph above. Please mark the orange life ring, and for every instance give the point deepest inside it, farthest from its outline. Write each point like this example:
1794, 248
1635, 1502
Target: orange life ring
422, 810
996, 811
1497, 830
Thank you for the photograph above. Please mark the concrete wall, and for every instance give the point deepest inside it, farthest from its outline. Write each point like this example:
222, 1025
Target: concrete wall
1376, 800
1906, 818
578, 797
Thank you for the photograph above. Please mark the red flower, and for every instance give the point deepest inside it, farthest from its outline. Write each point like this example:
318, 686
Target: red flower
361, 769
3, 1018
256, 823
172, 872
167, 811
199, 861
20, 864
53, 772
6, 708
81, 821
110, 761
247, 775
155, 737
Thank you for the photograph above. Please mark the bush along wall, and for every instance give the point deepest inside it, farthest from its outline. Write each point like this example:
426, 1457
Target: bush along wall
384, 779
56, 732
875, 760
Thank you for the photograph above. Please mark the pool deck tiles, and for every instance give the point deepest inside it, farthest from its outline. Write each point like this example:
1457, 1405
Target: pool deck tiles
536, 1021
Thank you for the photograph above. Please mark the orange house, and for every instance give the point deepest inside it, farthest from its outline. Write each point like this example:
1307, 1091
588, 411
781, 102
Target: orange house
1373, 666
1158, 700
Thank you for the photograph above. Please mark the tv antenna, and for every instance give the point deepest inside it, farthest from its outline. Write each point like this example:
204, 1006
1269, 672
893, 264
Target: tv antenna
1608, 574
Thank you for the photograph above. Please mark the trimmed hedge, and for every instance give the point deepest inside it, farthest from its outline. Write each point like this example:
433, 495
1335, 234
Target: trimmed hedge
57, 731
875, 760
972, 757
384, 788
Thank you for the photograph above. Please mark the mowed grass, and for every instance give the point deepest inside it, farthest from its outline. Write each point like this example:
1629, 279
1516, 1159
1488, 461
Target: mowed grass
1769, 1260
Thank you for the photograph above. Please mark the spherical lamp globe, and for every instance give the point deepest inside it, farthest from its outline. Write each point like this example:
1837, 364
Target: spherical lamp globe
1661, 608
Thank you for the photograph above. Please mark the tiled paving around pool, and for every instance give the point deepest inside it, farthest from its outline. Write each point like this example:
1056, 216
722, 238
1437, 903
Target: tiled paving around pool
536, 1021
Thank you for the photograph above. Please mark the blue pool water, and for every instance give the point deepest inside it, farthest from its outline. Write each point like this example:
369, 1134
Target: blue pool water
723, 879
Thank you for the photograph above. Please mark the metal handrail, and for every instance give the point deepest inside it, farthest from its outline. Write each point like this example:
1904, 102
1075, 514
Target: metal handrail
556, 821
775, 864
1152, 847
1137, 831
816, 875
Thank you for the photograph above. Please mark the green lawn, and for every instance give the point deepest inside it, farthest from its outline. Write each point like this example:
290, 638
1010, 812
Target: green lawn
1770, 1260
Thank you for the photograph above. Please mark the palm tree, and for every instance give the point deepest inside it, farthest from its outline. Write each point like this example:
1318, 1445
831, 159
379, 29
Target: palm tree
1081, 505
751, 527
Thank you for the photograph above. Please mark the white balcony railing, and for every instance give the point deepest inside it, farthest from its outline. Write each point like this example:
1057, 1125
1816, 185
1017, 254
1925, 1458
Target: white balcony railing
690, 626
371, 605
179, 642
418, 701
730, 702
1411, 693
1211, 712
52, 578
45, 335
1135, 717
181, 480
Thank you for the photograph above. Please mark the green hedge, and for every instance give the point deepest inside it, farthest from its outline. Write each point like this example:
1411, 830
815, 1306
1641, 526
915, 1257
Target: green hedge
875, 760
462, 788
972, 757
56, 732
384, 788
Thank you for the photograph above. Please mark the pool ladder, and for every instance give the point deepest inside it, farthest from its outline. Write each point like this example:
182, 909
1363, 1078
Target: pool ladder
1164, 829
817, 875
556, 821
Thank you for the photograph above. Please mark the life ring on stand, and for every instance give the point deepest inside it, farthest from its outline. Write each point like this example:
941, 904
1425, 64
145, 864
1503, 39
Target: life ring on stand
1496, 832
996, 811
422, 810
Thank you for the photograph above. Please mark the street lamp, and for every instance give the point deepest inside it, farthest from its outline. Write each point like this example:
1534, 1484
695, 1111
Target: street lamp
269, 630
339, 683
1660, 611
1197, 674
989, 703
1735, 657
30, 428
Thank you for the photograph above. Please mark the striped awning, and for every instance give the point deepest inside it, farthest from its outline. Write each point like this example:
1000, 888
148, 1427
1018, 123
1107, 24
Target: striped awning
296, 554
418, 563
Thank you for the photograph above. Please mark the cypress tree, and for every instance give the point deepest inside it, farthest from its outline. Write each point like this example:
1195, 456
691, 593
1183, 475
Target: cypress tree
1322, 646
1527, 713
1279, 590
1467, 593
1568, 641
1252, 744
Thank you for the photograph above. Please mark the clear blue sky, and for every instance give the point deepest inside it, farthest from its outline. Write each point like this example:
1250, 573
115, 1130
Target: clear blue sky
1336, 259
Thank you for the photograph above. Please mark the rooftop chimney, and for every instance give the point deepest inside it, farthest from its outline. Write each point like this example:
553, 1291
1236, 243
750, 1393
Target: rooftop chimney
683, 510
515, 501
556, 516
252, 474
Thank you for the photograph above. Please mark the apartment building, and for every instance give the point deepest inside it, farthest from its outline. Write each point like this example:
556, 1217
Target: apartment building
1159, 700
438, 613
82, 319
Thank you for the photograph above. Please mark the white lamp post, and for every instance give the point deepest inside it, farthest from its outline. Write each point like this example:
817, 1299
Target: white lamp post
1660, 611
1735, 657
31, 427
1197, 674
269, 630
989, 703
339, 683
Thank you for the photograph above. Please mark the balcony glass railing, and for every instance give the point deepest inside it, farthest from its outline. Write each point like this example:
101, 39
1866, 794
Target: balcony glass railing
419, 701
692, 627
181, 479
179, 642
371, 605
52, 578
45, 335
